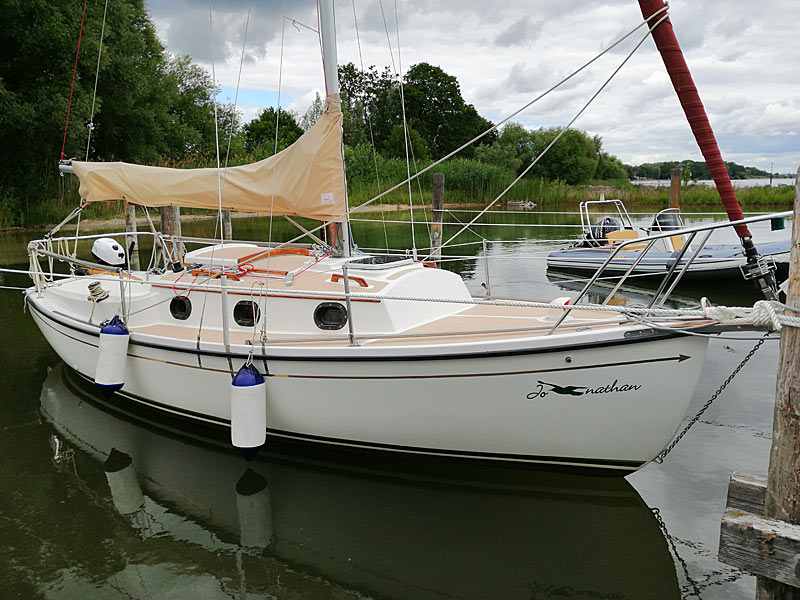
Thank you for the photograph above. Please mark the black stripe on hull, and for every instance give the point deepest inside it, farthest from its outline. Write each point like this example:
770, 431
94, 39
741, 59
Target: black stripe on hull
568, 463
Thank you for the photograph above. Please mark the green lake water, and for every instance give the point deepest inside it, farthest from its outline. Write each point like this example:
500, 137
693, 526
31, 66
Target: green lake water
311, 523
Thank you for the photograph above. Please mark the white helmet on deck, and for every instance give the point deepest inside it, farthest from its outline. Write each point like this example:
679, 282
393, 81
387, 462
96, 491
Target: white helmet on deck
109, 251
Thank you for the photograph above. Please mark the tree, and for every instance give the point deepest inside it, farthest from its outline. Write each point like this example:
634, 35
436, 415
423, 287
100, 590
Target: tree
259, 134
370, 102
395, 144
133, 120
312, 115
575, 157
610, 167
435, 108
37, 51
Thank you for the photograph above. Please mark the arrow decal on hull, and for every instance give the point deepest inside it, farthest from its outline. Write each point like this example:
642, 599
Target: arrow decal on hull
679, 358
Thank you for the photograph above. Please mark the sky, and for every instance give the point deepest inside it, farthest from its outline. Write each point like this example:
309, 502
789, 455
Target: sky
743, 56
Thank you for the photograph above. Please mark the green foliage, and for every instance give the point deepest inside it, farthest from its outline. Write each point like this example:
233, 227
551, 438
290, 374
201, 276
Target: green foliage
259, 134
574, 158
434, 108
149, 106
610, 167
499, 154
698, 170
312, 115
395, 144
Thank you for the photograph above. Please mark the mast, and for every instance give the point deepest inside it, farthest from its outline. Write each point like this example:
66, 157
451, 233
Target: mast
330, 65
670, 50
327, 32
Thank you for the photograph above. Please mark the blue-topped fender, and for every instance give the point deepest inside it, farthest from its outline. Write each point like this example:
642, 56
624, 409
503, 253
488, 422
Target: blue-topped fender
115, 326
247, 376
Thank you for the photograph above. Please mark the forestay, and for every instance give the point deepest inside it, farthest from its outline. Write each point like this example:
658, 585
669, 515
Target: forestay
306, 179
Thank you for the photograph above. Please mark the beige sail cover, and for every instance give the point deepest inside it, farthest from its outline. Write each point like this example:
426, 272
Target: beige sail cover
306, 179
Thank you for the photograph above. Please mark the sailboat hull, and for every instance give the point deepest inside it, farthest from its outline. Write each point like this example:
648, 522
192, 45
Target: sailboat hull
608, 402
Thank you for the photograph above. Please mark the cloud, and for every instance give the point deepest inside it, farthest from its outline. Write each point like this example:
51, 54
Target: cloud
505, 52
519, 33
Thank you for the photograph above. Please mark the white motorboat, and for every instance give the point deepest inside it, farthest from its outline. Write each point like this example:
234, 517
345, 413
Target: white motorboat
606, 223
374, 352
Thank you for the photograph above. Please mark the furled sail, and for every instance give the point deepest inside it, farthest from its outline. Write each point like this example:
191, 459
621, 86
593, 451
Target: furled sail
306, 179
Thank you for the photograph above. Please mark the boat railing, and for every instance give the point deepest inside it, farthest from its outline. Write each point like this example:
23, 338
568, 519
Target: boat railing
671, 278
48, 248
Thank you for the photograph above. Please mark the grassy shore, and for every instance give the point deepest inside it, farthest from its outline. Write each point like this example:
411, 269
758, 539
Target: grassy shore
466, 182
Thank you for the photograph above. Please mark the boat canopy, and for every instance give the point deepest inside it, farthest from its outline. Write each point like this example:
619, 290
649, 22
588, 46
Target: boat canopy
306, 179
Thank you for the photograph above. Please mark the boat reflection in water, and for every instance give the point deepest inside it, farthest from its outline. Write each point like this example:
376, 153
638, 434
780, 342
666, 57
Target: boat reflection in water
198, 519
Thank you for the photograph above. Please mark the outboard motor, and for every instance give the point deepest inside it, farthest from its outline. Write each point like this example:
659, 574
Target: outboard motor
109, 252
665, 221
603, 227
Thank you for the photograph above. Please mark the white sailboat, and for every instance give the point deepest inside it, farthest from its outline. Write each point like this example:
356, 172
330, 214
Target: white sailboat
374, 352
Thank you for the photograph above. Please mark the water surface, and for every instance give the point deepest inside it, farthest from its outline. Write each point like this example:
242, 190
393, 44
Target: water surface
311, 523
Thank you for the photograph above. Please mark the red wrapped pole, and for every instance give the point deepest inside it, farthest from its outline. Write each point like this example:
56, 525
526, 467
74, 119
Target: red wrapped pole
667, 44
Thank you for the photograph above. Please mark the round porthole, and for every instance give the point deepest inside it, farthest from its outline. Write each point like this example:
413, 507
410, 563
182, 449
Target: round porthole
330, 315
246, 313
180, 307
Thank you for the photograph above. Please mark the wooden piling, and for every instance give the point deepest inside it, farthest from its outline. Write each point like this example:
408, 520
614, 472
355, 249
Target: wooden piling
171, 225
437, 209
783, 481
227, 226
676, 177
760, 530
131, 241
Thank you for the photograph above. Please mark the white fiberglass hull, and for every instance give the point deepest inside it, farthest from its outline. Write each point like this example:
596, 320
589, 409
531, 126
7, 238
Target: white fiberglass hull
613, 402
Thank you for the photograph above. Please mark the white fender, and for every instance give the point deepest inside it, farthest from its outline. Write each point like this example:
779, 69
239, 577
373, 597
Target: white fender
112, 356
248, 408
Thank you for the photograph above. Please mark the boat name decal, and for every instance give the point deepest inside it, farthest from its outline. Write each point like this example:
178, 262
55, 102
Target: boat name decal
544, 389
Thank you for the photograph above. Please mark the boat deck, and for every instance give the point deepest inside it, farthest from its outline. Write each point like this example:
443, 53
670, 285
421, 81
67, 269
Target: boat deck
474, 324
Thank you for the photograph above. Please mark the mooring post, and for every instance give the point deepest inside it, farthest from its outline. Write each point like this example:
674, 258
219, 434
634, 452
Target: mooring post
760, 530
131, 241
783, 480
171, 225
437, 209
676, 176
227, 227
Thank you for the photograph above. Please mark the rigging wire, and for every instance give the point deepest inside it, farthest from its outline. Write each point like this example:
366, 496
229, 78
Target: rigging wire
238, 82
369, 123
399, 75
562, 132
275, 151
216, 126
72, 86
490, 129
505, 120
96, 79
